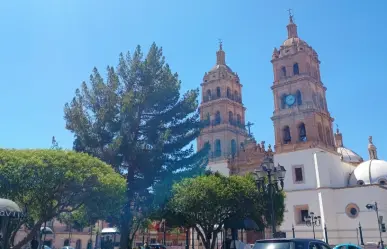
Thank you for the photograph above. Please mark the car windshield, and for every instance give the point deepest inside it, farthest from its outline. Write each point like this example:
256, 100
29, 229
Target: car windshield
273, 245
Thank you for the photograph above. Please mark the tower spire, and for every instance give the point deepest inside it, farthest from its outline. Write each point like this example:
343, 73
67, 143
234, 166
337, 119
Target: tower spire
220, 55
292, 27
372, 149
338, 137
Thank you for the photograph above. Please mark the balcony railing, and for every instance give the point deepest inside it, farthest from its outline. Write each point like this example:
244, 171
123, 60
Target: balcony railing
232, 97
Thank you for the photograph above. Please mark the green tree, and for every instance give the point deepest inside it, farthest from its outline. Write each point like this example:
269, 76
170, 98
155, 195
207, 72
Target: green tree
49, 183
137, 121
208, 202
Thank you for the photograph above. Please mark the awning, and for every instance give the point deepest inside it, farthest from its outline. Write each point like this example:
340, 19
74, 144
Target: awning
9, 208
46, 230
109, 230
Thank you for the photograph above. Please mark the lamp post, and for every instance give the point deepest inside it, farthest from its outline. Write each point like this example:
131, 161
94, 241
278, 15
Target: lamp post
376, 209
313, 221
275, 176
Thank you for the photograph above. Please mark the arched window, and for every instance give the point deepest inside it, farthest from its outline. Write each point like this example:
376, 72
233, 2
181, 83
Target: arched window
283, 71
228, 92
209, 94
233, 147
218, 94
286, 135
283, 101
230, 117
236, 96
66, 242
207, 120
302, 132
296, 70
299, 97
239, 121
328, 135
218, 148
217, 118
321, 99
320, 132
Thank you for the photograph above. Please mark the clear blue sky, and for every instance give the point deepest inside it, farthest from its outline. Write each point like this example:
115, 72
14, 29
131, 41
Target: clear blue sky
49, 47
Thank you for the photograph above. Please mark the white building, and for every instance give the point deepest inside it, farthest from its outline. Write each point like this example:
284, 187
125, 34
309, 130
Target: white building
323, 176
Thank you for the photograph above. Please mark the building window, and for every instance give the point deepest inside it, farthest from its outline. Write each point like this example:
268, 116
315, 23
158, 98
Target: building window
283, 71
228, 92
239, 121
217, 118
230, 117
300, 213
320, 132
78, 244
218, 148
302, 132
328, 134
218, 92
209, 94
299, 97
296, 70
233, 147
286, 135
352, 210
298, 174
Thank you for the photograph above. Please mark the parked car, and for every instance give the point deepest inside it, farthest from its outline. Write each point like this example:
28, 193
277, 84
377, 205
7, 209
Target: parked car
347, 246
290, 244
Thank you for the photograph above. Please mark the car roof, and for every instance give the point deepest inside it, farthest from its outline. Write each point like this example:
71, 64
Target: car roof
291, 239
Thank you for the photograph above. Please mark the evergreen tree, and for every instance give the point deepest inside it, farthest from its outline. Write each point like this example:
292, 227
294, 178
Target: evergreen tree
137, 121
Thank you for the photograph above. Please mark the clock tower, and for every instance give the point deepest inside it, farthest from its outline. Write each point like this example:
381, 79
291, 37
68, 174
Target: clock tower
301, 117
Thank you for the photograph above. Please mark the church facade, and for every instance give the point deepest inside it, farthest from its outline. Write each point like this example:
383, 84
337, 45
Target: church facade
323, 176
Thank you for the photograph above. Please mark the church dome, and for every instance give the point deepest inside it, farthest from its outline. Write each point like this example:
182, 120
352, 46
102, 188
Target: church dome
370, 172
293, 40
349, 156
373, 171
217, 67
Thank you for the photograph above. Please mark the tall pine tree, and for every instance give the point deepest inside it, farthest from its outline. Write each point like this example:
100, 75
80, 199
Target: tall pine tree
137, 121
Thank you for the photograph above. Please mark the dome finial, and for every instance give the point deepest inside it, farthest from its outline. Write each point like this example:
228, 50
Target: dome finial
290, 16
220, 44
292, 27
220, 54
372, 149
338, 137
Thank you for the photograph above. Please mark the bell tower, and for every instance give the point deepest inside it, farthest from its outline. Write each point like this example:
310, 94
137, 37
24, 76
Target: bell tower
301, 117
222, 111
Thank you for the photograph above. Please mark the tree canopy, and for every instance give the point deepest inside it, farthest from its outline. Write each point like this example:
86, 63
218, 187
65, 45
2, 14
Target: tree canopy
137, 121
208, 202
48, 183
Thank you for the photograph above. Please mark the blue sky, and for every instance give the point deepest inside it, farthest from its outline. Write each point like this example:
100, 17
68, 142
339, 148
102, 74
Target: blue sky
49, 47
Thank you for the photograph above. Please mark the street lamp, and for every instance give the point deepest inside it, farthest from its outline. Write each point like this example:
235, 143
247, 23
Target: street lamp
375, 208
275, 176
313, 221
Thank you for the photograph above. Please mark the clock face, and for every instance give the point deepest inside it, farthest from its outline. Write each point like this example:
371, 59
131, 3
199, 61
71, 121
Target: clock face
290, 99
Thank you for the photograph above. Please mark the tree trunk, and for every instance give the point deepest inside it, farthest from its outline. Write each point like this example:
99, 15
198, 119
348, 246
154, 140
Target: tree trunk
125, 227
30, 235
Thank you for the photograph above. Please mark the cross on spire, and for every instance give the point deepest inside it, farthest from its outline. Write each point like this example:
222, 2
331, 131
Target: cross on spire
248, 125
220, 44
290, 11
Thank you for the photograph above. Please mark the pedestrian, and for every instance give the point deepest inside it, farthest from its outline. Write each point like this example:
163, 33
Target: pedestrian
34, 243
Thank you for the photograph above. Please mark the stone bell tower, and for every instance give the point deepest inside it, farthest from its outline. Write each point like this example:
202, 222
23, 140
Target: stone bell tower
223, 112
301, 117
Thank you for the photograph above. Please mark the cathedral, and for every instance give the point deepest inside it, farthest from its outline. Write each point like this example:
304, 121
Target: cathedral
323, 177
